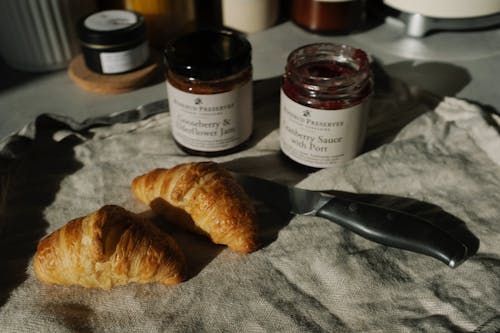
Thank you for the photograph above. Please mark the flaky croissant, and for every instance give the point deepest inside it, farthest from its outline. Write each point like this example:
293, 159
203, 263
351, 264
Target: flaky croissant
109, 247
202, 197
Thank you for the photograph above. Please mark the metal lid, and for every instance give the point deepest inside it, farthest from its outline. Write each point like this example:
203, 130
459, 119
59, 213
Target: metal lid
208, 54
112, 28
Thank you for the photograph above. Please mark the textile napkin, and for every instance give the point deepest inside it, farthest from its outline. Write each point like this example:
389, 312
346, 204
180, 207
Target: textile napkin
311, 275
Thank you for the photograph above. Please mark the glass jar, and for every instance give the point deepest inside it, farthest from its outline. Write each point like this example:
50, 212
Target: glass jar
209, 87
328, 16
325, 98
114, 41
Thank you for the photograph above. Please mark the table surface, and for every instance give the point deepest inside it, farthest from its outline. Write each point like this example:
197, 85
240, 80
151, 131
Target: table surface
461, 64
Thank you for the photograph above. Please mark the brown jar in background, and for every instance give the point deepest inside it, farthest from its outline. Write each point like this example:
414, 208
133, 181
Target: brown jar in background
165, 19
328, 16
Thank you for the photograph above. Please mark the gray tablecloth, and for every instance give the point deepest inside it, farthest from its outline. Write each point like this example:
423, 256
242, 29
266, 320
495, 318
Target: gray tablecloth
311, 275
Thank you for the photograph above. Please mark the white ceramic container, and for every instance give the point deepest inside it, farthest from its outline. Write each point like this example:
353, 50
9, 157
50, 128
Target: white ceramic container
250, 16
40, 35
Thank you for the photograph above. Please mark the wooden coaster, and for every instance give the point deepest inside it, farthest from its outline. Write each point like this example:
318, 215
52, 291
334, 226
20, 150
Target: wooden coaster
113, 83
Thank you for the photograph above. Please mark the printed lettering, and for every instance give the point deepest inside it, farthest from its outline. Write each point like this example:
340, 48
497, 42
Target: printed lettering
320, 138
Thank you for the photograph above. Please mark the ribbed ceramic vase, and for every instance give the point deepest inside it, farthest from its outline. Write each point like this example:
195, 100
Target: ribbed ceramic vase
40, 35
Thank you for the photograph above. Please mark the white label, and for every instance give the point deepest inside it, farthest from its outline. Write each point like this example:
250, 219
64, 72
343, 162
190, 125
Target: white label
211, 122
109, 20
124, 61
321, 138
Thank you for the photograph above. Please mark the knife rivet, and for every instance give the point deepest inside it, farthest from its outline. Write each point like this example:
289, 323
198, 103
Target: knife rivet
353, 207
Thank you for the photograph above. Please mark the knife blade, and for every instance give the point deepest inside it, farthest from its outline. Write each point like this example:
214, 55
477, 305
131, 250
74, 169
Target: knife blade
379, 224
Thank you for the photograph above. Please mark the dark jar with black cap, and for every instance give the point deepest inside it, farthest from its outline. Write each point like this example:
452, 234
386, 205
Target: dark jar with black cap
209, 87
114, 41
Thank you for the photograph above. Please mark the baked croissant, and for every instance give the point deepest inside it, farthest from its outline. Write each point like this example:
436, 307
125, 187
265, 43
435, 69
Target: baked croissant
109, 247
204, 198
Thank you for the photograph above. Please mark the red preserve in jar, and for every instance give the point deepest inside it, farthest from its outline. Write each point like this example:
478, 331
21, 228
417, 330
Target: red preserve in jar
324, 108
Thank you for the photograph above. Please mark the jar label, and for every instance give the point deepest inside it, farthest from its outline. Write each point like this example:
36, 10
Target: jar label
321, 138
211, 123
124, 61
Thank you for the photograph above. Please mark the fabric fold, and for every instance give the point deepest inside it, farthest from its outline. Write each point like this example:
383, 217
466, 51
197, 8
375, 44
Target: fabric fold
311, 275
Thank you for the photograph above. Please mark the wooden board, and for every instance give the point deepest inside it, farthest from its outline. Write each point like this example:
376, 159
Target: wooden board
114, 83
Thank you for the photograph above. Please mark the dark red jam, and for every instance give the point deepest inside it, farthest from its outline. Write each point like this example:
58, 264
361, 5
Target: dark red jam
324, 104
327, 69
327, 76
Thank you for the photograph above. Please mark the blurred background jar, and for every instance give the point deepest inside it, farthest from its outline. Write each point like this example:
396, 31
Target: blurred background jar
208, 14
40, 35
328, 16
250, 16
165, 19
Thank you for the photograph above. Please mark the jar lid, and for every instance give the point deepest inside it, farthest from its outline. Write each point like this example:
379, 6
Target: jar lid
208, 54
112, 27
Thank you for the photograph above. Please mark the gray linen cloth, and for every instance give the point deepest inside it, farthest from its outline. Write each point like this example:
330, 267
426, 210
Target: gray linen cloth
311, 275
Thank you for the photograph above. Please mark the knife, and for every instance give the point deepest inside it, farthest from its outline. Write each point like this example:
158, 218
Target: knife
379, 224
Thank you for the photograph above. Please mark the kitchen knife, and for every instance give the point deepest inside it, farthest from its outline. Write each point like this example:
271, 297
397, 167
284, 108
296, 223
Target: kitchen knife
376, 223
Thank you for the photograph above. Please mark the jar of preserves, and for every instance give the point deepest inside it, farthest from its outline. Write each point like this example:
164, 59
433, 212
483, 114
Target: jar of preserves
324, 105
209, 87
328, 16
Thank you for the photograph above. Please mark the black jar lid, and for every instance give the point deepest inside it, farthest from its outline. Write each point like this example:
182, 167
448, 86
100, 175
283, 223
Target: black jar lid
208, 54
112, 28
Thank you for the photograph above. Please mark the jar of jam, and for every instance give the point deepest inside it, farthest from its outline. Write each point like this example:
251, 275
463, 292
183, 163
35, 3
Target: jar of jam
328, 16
325, 97
209, 87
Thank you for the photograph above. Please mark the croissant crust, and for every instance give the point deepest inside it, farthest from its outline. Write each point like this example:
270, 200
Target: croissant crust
109, 247
202, 197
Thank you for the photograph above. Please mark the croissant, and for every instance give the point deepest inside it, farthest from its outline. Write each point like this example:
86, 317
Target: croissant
109, 247
204, 198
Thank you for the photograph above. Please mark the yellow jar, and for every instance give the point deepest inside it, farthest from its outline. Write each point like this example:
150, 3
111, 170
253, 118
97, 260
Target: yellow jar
164, 18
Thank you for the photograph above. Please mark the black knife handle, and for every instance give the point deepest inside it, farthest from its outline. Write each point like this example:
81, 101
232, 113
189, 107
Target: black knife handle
395, 228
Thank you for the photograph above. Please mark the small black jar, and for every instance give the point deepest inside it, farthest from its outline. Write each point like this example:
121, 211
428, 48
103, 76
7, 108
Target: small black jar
114, 41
